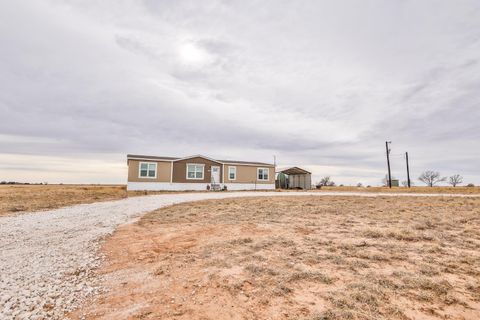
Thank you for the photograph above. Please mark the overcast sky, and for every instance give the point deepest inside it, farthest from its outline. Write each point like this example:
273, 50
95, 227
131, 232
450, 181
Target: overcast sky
319, 84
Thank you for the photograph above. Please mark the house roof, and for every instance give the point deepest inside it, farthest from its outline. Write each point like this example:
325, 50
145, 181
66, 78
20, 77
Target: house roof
294, 170
245, 162
139, 156
240, 162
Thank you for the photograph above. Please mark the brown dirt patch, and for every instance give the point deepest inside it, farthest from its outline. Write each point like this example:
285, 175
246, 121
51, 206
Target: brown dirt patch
296, 258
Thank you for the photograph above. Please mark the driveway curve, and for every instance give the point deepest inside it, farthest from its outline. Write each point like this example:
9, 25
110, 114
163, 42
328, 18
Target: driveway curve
47, 259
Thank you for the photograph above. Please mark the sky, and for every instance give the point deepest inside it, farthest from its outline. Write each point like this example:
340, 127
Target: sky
318, 84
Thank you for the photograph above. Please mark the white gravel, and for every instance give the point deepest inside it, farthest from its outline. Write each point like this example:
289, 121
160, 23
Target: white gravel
47, 259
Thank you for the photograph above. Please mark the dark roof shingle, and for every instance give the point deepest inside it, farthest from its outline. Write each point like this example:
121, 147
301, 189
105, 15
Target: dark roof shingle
136, 156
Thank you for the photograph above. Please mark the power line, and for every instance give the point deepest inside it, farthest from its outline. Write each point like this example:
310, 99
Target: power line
408, 170
399, 155
388, 164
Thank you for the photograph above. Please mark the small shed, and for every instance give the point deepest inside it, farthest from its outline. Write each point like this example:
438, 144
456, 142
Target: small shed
297, 178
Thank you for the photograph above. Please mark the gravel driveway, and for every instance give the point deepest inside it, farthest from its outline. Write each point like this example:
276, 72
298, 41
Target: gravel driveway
47, 258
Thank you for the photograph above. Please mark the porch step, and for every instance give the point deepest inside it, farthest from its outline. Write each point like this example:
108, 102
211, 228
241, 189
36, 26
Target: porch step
215, 186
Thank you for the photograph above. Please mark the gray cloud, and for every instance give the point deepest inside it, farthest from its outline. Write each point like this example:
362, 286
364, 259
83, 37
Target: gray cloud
317, 84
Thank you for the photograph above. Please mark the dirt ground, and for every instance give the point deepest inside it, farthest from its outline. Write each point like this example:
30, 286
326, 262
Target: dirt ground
15, 199
415, 189
18, 198
296, 258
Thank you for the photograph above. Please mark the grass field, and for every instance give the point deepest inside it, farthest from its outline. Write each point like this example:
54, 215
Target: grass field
442, 190
18, 198
306, 257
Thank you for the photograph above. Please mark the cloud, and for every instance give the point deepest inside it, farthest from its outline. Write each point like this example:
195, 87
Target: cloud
321, 85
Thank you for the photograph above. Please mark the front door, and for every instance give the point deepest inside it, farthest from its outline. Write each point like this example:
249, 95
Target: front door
215, 175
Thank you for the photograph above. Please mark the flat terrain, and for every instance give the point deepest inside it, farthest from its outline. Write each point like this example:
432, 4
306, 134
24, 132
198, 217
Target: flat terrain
16, 199
308, 257
415, 189
28, 198
48, 259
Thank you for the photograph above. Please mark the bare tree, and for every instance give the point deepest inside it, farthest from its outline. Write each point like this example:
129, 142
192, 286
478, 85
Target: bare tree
455, 180
405, 183
326, 182
431, 178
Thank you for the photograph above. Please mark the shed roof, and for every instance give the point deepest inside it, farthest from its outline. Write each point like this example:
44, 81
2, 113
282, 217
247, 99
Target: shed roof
294, 170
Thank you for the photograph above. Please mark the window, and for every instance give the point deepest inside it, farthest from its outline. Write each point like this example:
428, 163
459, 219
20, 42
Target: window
148, 170
232, 173
195, 171
262, 173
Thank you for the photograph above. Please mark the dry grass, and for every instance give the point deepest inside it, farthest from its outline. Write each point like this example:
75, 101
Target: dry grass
442, 190
20, 198
15, 199
297, 258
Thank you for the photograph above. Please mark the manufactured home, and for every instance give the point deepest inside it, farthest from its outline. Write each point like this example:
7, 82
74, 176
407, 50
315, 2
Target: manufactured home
197, 173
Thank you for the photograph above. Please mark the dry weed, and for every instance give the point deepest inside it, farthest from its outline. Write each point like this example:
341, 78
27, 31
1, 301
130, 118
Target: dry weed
307, 258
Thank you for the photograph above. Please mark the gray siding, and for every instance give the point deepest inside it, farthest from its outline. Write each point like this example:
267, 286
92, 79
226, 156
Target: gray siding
303, 181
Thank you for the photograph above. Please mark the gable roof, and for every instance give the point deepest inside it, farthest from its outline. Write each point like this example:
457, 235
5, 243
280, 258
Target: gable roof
143, 157
197, 156
173, 159
245, 162
294, 170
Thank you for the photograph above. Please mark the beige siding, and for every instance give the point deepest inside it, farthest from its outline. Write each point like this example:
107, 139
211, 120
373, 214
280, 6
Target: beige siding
180, 170
248, 174
245, 173
163, 171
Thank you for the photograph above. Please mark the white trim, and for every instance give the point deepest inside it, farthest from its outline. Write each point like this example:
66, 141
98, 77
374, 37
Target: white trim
200, 156
166, 186
148, 165
193, 186
150, 159
249, 164
197, 156
268, 174
223, 173
211, 172
195, 164
171, 172
249, 186
232, 167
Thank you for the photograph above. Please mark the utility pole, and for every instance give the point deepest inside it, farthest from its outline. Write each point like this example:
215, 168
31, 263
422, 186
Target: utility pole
408, 171
388, 164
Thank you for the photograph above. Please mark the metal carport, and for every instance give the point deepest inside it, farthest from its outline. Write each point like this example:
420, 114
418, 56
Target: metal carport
297, 178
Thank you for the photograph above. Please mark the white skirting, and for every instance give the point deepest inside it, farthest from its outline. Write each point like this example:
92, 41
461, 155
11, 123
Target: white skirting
158, 186
249, 186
